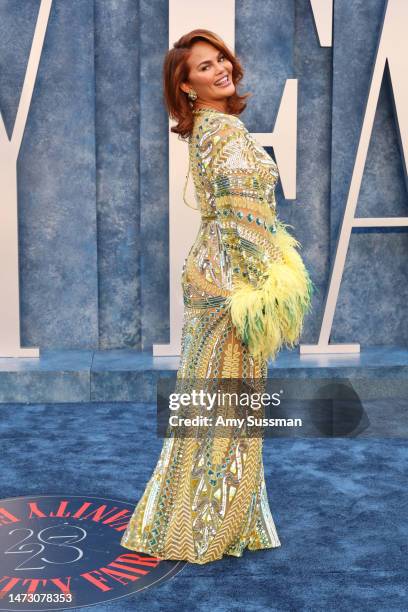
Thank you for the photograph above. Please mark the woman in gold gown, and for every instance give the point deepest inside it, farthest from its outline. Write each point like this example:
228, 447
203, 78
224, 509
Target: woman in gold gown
246, 291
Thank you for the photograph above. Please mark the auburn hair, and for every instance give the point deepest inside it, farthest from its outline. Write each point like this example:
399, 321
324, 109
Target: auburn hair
176, 71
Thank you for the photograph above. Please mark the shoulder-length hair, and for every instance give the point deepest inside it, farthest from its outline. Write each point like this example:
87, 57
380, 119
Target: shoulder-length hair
176, 70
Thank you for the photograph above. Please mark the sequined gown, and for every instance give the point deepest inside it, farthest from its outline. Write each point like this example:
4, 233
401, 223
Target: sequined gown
246, 291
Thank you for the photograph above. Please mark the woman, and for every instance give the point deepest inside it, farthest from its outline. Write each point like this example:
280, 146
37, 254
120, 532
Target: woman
246, 291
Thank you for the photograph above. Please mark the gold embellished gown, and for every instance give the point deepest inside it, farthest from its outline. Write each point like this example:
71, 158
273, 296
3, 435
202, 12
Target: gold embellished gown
246, 291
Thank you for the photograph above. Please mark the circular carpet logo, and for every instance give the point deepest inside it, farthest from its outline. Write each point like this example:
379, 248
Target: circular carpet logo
60, 552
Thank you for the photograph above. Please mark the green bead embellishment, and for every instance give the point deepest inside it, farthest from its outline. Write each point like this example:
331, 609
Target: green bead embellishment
240, 214
250, 217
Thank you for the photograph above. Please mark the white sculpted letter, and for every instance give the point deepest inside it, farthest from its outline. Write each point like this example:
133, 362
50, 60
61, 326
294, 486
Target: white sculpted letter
393, 48
9, 150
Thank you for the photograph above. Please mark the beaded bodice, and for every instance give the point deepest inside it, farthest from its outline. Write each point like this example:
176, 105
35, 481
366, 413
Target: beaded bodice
220, 147
244, 259
234, 181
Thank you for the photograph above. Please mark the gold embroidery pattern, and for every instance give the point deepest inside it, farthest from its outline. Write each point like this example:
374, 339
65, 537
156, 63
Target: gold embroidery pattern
207, 497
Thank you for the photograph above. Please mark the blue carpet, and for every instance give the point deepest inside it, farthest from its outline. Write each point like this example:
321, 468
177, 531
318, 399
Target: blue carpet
340, 507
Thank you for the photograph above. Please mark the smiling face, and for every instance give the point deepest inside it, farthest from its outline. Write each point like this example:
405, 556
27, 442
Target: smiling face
210, 76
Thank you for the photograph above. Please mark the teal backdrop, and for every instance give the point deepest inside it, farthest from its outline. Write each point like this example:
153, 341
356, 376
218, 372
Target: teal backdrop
93, 166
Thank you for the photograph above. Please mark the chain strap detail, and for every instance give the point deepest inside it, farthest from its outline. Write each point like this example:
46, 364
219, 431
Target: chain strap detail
185, 185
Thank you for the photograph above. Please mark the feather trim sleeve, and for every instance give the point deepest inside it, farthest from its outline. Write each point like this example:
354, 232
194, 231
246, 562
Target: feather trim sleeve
271, 290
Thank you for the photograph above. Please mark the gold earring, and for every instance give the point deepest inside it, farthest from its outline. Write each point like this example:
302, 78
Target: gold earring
192, 95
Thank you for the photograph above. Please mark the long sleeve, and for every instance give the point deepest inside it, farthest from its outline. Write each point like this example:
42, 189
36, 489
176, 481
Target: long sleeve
271, 289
